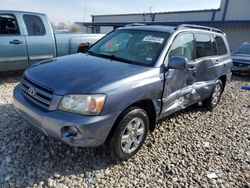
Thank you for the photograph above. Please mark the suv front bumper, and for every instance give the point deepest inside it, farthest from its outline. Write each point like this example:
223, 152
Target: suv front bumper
92, 130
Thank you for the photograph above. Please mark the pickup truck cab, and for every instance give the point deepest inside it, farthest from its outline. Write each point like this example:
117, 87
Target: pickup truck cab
125, 83
27, 38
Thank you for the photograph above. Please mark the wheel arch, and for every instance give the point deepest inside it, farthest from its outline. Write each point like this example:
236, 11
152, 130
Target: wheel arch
147, 105
223, 79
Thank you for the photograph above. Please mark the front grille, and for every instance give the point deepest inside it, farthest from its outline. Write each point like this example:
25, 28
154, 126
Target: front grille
238, 64
36, 93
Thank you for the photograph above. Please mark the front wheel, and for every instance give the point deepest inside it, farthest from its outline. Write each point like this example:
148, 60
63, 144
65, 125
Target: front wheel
211, 102
130, 134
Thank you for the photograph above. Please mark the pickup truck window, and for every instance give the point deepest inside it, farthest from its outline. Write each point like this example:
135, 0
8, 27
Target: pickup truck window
183, 46
34, 25
131, 46
8, 25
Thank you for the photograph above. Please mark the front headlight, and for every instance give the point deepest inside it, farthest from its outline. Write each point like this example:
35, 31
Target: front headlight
83, 104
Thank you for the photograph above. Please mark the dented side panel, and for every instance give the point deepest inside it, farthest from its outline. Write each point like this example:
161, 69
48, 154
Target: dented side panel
186, 87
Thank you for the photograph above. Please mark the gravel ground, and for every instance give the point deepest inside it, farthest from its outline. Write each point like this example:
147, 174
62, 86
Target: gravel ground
184, 151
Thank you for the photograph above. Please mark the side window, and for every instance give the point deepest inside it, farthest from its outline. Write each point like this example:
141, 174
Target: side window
203, 45
214, 46
34, 25
183, 46
8, 25
222, 49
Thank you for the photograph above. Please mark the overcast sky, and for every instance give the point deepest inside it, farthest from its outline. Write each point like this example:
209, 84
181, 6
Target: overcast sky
73, 10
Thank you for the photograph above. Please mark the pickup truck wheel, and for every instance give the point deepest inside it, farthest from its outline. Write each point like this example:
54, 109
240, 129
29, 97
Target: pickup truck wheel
211, 102
130, 134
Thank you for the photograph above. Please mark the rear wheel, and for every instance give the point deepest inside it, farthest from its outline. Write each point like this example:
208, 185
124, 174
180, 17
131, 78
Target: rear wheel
130, 134
211, 102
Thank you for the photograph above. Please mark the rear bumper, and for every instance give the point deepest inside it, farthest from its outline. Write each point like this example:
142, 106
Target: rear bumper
92, 130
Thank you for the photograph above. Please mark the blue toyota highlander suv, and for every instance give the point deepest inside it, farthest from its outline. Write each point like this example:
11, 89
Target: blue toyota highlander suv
125, 83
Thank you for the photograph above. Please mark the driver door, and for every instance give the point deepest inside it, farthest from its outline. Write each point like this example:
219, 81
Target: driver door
13, 51
178, 83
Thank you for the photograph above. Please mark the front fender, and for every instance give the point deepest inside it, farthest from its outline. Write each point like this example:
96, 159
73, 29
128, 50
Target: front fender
118, 99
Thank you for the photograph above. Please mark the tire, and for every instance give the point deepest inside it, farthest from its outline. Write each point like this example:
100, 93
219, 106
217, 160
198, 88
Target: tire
212, 101
129, 135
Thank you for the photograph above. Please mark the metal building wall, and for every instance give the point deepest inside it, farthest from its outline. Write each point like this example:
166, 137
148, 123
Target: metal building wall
236, 34
184, 16
123, 18
230, 10
238, 10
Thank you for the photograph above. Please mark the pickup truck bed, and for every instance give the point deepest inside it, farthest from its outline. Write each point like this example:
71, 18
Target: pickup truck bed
27, 38
68, 43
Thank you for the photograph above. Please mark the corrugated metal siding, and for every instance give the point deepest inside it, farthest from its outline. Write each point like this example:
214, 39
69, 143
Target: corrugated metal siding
168, 17
238, 10
123, 18
219, 14
236, 34
188, 16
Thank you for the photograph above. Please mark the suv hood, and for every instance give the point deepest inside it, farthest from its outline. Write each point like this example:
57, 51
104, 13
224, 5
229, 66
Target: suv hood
81, 73
241, 57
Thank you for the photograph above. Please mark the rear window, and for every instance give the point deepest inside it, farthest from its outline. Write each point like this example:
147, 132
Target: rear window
34, 25
203, 45
222, 49
8, 25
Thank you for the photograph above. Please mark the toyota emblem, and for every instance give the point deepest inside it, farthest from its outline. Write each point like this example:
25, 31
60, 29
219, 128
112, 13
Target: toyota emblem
32, 91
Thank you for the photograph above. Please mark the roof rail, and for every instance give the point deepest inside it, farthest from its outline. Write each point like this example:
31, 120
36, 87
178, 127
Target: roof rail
199, 27
136, 24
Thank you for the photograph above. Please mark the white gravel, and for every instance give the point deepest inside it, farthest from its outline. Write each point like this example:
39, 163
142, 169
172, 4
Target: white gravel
184, 150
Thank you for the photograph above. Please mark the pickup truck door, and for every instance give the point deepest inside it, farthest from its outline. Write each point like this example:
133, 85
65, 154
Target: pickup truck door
13, 52
178, 88
39, 38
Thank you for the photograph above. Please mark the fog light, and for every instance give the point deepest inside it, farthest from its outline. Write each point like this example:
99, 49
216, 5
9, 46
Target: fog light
70, 131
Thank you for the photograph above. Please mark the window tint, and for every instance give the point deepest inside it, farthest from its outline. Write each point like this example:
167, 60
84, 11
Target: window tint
222, 50
214, 46
34, 25
8, 25
203, 45
183, 46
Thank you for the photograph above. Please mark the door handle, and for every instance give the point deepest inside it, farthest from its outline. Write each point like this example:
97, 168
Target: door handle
191, 68
17, 42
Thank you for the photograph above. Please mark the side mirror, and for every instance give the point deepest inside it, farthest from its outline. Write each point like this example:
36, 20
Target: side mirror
178, 62
83, 47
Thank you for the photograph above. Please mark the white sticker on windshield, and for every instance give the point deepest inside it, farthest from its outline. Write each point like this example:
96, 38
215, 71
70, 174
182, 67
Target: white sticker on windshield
149, 59
153, 39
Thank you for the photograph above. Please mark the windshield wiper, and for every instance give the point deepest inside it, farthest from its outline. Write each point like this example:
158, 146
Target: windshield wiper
112, 57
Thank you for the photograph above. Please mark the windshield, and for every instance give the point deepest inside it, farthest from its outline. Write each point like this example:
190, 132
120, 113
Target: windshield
131, 46
243, 49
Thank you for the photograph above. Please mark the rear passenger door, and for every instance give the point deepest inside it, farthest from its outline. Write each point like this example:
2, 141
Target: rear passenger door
40, 39
204, 69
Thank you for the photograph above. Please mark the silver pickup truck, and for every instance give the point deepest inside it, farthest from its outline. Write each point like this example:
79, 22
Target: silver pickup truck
26, 38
